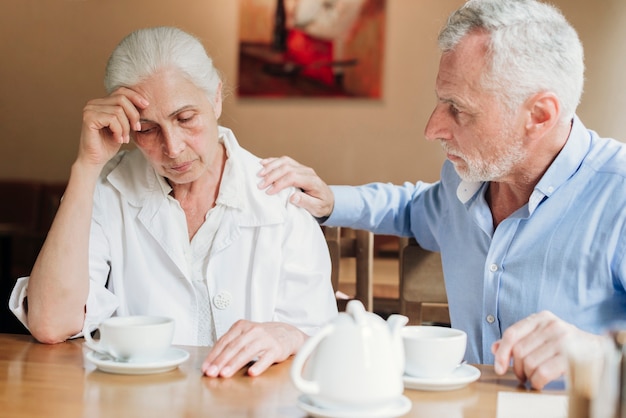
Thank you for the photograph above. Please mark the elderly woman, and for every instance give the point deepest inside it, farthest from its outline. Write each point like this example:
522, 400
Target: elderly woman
178, 226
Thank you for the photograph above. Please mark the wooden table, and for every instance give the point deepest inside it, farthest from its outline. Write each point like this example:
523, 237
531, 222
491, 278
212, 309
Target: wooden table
39, 380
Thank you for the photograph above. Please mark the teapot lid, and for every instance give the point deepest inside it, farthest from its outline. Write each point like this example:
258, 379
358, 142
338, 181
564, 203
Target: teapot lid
360, 316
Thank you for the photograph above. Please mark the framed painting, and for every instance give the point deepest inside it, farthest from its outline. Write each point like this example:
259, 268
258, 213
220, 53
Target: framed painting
311, 48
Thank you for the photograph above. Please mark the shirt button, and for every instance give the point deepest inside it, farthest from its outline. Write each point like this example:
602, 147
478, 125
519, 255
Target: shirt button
222, 300
491, 319
493, 268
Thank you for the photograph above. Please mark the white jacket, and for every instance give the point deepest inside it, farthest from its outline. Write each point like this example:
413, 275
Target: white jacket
268, 262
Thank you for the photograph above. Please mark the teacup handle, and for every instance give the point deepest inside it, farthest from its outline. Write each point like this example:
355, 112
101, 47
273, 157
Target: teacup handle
307, 386
90, 342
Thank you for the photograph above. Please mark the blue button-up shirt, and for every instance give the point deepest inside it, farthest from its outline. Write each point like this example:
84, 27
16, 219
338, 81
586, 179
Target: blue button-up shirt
563, 251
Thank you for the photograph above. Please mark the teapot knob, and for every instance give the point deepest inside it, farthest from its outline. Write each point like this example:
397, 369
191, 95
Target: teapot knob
357, 311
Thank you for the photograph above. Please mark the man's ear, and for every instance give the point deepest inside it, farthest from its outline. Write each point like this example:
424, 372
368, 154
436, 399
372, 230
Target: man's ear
544, 111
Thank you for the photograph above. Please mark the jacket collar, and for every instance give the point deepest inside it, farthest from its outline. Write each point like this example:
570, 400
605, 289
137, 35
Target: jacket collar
140, 185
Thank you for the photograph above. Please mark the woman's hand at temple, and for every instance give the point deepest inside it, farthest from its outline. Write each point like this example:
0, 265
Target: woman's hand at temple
107, 124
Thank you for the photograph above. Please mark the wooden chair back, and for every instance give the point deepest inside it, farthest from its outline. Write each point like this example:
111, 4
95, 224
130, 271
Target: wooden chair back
422, 291
347, 242
20, 203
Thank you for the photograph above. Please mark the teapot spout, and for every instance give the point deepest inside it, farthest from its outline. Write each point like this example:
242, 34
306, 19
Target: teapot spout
396, 323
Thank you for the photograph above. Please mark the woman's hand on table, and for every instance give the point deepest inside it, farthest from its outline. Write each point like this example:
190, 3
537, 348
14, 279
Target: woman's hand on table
537, 347
245, 341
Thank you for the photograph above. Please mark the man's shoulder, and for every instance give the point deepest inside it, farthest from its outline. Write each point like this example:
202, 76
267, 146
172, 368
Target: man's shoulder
607, 156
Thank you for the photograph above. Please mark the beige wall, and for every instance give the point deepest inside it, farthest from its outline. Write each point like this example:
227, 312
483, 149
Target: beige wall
53, 52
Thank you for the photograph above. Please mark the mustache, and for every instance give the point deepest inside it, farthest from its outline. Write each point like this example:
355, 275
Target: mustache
448, 149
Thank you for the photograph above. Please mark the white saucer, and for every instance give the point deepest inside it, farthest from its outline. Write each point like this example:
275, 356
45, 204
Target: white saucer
172, 359
461, 377
400, 406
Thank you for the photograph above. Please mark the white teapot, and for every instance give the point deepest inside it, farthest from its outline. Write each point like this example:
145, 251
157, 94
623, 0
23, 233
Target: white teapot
357, 361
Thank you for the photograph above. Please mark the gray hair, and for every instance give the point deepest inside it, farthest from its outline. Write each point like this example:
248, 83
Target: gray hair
145, 51
532, 49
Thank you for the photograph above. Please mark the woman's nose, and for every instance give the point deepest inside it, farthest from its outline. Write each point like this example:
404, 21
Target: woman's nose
173, 144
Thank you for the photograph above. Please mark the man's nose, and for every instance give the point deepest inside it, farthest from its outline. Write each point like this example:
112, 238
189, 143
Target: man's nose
436, 126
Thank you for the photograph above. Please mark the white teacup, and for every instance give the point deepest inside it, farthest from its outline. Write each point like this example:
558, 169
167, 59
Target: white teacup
136, 338
432, 351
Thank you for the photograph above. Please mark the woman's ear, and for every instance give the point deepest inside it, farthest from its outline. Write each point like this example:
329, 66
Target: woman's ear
217, 101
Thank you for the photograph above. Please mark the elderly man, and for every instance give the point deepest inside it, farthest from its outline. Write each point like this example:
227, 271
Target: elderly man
528, 214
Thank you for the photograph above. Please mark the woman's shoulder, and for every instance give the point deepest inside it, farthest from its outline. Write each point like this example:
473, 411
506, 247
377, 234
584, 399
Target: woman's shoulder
250, 165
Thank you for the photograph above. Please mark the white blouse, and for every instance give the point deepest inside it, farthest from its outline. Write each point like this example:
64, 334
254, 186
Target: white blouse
256, 257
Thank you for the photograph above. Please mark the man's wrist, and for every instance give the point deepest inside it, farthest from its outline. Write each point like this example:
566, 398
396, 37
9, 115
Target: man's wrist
321, 219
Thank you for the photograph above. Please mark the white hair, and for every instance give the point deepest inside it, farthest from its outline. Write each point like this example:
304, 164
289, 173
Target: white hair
145, 51
532, 49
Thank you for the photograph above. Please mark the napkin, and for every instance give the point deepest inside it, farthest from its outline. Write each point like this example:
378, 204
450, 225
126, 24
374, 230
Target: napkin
536, 405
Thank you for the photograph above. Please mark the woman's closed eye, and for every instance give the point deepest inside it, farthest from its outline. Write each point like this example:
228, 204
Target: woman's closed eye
186, 117
147, 128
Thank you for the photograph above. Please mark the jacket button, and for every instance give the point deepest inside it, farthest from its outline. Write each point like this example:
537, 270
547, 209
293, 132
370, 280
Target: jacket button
222, 300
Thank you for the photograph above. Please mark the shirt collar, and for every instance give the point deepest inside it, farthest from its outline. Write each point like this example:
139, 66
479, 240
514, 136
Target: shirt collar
233, 177
467, 189
562, 168
146, 181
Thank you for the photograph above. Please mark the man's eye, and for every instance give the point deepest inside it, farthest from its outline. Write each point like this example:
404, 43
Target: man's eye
185, 120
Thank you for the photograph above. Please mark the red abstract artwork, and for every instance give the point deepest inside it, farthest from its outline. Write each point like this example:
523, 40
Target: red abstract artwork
311, 48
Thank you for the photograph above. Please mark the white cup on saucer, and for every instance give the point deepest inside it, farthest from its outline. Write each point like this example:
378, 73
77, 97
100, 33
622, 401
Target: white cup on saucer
135, 338
432, 352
